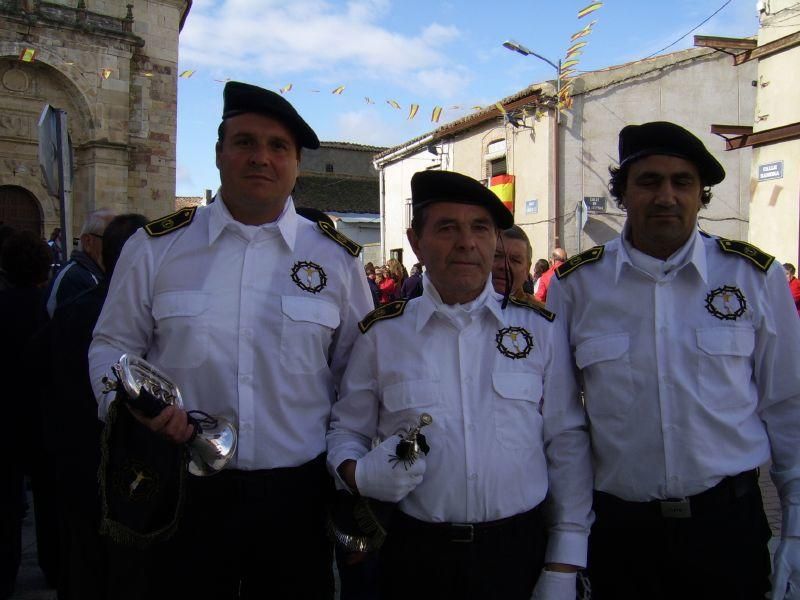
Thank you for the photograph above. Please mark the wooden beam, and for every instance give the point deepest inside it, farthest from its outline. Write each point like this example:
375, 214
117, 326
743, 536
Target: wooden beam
765, 137
724, 43
732, 129
779, 45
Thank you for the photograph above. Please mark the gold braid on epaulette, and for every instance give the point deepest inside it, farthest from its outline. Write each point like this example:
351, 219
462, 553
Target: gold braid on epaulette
537, 309
755, 255
171, 222
568, 266
387, 311
341, 239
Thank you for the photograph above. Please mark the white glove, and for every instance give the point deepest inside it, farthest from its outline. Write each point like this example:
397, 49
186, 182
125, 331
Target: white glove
786, 570
553, 585
380, 476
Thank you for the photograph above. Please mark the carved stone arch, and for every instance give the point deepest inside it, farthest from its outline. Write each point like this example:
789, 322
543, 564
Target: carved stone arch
20, 209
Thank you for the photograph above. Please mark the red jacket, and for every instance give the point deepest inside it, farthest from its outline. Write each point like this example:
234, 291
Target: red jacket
794, 287
544, 281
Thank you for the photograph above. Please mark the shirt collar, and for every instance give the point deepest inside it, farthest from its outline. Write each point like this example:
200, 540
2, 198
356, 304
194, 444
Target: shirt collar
220, 219
691, 254
431, 301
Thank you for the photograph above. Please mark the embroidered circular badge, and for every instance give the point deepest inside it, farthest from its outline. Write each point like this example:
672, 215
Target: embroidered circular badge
309, 276
514, 342
726, 303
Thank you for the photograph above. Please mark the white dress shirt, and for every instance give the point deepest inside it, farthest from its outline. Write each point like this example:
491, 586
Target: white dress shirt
689, 369
254, 323
501, 424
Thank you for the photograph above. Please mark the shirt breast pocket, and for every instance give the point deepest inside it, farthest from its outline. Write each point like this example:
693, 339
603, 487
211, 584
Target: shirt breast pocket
516, 408
605, 365
307, 329
181, 332
725, 363
405, 401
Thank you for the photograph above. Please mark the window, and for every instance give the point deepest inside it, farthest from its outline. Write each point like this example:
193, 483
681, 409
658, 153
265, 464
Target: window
497, 167
408, 213
329, 167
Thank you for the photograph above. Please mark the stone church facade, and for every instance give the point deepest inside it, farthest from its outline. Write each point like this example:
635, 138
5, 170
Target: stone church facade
112, 66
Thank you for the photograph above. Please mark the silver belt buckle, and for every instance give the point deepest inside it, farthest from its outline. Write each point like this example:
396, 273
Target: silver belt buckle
466, 528
676, 508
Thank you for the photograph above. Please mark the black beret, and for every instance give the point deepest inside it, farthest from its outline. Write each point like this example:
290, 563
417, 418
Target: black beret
429, 187
242, 98
661, 137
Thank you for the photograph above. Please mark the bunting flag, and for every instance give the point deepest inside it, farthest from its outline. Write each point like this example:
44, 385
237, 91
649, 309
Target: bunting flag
412, 111
569, 63
503, 187
226, 80
105, 73
566, 74
576, 47
436, 114
583, 32
393, 104
150, 74
589, 9
501, 108
186, 74
368, 100
27, 54
314, 91
286, 88
477, 107
338, 91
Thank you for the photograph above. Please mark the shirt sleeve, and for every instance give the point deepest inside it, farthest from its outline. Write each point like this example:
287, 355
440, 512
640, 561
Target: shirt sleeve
354, 418
356, 303
778, 380
126, 321
566, 443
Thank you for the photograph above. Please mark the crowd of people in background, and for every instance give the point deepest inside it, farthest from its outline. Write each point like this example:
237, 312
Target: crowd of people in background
392, 282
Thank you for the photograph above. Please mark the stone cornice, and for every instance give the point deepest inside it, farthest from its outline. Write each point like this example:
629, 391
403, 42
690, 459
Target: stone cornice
46, 14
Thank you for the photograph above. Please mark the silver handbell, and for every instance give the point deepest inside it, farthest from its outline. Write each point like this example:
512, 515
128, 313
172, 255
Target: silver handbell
412, 443
214, 442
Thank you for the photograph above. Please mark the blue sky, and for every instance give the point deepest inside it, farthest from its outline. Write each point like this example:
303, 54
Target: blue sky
429, 53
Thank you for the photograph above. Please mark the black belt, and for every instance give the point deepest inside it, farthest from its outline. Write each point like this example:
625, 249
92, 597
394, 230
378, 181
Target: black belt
460, 532
726, 492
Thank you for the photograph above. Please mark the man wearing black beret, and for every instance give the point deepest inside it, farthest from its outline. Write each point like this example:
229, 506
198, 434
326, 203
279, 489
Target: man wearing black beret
508, 460
687, 347
251, 311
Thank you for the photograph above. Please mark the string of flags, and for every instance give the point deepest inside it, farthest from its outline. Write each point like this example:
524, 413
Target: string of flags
566, 75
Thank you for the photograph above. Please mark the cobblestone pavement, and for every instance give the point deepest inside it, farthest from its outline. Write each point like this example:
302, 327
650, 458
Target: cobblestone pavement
31, 585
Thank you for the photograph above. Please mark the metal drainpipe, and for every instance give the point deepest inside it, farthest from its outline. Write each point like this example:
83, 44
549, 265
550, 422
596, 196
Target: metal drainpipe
383, 214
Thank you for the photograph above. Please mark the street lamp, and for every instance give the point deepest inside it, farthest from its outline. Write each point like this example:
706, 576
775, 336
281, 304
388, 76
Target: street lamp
517, 47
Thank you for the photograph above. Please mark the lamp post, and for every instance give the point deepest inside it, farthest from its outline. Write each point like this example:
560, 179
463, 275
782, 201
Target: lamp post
517, 47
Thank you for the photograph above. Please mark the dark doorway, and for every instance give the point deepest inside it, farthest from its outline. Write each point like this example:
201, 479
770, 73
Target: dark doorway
20, 209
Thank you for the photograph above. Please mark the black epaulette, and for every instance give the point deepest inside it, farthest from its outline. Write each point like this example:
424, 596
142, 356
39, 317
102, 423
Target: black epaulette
339, 238
534, 307
170, 223
755, 255
591, 255
387, 311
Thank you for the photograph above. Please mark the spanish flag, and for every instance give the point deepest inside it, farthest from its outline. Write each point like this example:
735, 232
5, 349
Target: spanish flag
583, 32
412, 111
186, 74
503, 187
436, 114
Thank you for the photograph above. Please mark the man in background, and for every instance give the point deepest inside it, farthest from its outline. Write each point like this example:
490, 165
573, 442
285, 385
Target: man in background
557, 258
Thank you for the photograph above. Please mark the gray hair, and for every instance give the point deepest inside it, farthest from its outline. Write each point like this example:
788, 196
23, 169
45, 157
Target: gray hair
96, 223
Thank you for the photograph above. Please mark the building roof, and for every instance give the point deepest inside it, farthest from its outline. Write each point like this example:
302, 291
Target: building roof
352, 146
535, 95
337, 193
187, 201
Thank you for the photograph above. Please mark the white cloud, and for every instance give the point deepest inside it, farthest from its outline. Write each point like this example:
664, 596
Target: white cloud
315, 37
367, 126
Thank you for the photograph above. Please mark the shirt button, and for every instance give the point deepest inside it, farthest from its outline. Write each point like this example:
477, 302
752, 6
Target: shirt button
473, 476
245, 378
468, 379
246, 333
247, 427
471, 427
